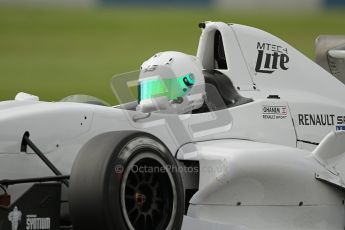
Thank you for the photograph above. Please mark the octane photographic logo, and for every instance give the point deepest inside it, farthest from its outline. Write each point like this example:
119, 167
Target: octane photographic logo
15, 218
182, 129
119, 169
271, 57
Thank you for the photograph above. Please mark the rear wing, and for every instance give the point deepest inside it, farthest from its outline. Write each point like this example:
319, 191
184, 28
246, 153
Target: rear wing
330, 54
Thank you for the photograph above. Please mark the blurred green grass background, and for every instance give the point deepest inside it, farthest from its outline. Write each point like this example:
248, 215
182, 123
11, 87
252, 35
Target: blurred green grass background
56, 52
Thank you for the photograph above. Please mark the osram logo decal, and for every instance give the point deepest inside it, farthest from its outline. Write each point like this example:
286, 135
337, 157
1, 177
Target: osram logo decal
271, 57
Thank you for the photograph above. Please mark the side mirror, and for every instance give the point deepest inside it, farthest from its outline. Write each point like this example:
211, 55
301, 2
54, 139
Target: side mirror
26, 97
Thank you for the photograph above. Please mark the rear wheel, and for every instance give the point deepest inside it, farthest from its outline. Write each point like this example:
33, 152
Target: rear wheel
126, 181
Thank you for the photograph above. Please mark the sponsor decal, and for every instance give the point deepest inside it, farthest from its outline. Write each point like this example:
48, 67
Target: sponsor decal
340, 127
340, 120
322, 120
271, 57
37, 223
274, 112
32, 221
15, 217
316, 119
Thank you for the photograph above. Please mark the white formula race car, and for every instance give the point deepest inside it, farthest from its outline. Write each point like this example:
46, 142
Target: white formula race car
265, 151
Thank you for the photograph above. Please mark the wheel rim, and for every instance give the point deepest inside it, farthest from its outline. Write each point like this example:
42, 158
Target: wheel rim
148, 194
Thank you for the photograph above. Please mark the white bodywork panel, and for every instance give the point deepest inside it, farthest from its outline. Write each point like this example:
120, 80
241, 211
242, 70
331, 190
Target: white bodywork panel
237, 68
60, 129
263, 186
301, 83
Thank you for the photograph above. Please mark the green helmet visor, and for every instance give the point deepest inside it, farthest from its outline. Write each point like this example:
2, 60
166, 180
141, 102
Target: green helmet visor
172, 88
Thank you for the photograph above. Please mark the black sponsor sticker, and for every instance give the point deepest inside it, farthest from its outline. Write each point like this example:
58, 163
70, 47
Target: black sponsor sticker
271, 57
274, 112
340, 120
322, 120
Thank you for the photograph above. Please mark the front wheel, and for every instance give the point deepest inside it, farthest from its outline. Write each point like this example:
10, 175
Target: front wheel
126, 181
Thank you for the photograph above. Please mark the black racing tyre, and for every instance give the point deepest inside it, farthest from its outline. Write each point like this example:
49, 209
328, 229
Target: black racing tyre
126, 180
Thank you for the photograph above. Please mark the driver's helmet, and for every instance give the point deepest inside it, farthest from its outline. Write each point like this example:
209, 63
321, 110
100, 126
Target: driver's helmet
171, 82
